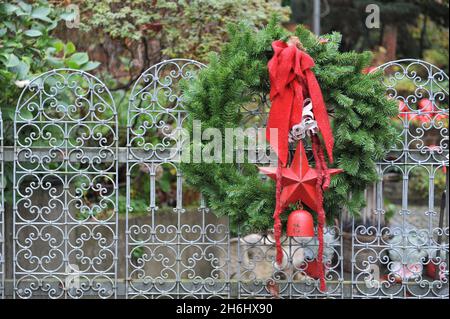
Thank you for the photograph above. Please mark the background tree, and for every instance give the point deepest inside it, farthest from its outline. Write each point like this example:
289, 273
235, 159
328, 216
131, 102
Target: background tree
414, 29
131, 35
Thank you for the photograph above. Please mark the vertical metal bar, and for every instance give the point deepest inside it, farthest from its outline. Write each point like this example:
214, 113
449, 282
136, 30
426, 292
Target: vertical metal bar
2, 218
442, 213
116, 195
128, 205
179, 210
228, 267
447, 218
354, 283
178, 245
316, 17
14, 210
66, 205
239, 263
127, 229
341, 254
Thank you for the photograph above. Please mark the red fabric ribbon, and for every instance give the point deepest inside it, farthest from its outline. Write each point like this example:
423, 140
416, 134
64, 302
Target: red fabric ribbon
276, 216
323, 182
292, 80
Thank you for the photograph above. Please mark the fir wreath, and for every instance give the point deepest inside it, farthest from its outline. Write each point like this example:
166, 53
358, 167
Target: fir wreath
360, 114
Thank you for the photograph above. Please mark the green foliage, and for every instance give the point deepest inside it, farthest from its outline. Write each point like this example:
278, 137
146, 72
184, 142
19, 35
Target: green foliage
419, 182
186, 28
27, 48
361, 122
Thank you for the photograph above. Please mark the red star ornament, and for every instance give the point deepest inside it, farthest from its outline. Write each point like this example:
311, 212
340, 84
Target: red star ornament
299, 180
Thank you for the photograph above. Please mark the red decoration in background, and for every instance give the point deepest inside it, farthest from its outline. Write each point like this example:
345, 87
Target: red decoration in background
435, 271
369, 70
430, 110
427, 109
404, 110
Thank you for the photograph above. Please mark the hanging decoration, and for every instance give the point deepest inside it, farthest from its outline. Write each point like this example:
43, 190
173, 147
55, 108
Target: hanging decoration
362, 126
299, 182
292, 84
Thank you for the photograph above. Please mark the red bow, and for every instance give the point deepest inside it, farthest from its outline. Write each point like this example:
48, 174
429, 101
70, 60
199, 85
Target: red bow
292, 80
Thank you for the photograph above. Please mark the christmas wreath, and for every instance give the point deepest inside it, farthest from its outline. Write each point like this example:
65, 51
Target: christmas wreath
359, 111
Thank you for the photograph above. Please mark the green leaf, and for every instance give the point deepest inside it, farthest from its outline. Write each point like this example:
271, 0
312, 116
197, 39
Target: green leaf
55, 62
53, 25
79, 59
2, 32
21, 70
71, 64
12, 61
164, 185
8, 8
68, 16
33, 33
25, 114
70, 48
10, 25
91, 65
58, 45
10, 112
41, 13
25, 7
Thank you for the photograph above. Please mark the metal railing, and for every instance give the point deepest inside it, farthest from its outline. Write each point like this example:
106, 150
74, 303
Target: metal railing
67, 235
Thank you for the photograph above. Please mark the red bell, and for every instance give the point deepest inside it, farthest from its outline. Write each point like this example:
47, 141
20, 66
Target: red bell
300, 224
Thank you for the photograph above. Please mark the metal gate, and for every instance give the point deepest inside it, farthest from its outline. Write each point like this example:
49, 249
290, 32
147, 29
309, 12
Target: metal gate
400, 244
65, 188
176, 253
68, 240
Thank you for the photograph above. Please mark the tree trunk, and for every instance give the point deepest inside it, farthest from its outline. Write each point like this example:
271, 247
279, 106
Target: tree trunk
389, 41
423, 34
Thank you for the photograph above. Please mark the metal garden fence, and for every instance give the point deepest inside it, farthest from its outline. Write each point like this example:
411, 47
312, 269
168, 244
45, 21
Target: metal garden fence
63, 233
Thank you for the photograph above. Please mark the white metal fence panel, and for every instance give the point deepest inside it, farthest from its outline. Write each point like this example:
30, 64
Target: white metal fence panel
400, 245
65, 188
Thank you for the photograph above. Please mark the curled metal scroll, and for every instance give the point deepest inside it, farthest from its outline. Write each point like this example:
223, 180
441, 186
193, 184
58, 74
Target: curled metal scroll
409, 250
65, 199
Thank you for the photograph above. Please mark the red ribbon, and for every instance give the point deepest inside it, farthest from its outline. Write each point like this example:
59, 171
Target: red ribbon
323, 182
292, 80
276, 217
